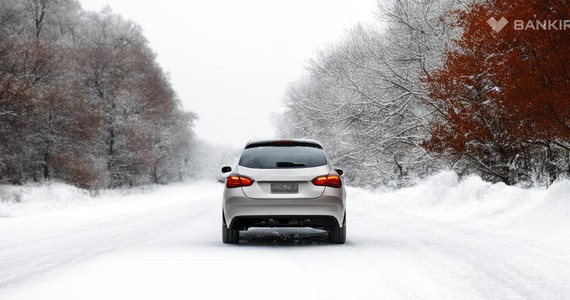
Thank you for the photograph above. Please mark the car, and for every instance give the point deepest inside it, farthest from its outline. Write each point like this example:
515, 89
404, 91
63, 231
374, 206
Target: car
284, 183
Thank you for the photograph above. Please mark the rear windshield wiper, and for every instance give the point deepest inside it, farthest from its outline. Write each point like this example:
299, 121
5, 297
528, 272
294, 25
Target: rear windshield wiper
289, 164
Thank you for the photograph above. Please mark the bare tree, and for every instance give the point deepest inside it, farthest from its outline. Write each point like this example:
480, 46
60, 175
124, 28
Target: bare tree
83, 100
364, 96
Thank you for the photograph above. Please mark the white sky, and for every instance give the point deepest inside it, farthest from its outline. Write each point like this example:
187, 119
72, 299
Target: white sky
231, 61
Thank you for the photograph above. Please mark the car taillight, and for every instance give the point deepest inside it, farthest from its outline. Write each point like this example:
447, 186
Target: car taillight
327, 180
236, 181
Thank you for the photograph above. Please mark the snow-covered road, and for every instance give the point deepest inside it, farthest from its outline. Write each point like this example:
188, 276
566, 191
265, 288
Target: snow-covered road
442, 239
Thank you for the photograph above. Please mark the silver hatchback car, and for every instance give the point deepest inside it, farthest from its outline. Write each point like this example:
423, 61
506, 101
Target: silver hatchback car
284, 183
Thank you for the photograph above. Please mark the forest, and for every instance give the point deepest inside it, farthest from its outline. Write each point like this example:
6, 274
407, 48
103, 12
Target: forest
428, 86
83, 100
432, 86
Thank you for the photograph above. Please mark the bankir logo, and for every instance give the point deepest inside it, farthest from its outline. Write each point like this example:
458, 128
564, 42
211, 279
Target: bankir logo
497, 25
530, 24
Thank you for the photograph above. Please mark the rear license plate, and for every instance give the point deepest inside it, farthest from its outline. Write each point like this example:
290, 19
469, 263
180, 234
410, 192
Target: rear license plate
284, 187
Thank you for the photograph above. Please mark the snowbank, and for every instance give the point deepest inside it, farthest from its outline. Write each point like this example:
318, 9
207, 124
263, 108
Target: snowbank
445, 196
17, 200
37, 198
538, 215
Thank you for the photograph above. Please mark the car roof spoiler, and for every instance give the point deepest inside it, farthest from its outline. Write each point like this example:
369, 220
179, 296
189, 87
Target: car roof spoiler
284, 143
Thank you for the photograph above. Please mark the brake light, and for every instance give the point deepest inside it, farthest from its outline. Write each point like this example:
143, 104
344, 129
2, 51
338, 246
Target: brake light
327, 180
236, 181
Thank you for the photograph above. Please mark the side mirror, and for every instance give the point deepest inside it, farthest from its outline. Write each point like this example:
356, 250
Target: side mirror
339, 171
226, 169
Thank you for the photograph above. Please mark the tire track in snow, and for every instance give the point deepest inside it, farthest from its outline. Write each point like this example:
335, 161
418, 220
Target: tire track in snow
32, 257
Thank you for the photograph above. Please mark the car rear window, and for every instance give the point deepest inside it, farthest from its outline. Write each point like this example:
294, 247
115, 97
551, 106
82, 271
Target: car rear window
273, 157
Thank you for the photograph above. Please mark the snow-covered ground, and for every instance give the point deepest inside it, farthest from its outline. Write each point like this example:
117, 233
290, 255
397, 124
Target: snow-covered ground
441, 239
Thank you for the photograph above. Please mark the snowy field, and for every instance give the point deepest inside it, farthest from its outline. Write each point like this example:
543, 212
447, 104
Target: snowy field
441, 239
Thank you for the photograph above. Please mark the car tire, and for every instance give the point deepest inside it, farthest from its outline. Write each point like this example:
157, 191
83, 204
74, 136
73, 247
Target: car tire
229, 236
338, 235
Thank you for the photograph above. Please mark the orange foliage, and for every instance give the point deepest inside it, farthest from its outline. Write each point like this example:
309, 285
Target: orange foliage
504, 88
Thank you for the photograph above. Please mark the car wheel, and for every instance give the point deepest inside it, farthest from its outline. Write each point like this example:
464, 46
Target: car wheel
338, 235
229, 236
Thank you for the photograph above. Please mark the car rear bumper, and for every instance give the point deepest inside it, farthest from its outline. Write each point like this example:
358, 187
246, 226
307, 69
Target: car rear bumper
245, 222
241, 211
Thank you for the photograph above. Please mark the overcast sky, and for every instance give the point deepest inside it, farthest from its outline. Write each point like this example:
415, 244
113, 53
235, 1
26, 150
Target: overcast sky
231, 61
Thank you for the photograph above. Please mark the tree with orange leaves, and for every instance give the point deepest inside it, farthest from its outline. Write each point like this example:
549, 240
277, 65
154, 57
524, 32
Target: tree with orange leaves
506, 93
